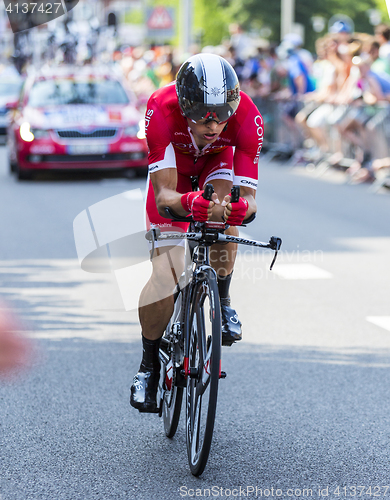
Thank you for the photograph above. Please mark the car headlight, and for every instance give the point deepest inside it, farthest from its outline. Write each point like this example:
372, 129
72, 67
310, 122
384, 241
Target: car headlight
25, 132
135, 130
141, 133
28, 134
40, 133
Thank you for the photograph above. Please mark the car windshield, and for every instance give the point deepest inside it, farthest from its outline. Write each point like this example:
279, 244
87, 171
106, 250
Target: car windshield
70, 91
10, 88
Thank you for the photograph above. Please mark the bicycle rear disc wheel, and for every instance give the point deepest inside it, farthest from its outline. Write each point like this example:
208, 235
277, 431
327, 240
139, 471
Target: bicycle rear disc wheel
204, 334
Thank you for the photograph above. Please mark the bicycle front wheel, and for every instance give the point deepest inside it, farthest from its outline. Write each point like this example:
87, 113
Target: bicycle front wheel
204, 338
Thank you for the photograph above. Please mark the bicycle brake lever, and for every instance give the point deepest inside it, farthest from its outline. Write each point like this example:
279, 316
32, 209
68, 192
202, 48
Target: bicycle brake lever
152, 236
208, 191
275, 243
234, 197
235, 194
153, 233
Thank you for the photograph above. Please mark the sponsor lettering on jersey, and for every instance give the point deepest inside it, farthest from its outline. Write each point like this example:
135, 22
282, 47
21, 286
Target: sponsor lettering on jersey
260, 135
222, 172
249, 183
148, 116
189, 148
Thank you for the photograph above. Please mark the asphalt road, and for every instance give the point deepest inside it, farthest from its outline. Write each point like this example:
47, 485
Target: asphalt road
305, 408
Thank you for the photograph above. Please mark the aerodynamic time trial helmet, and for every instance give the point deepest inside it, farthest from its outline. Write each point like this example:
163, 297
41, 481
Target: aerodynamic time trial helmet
207, 87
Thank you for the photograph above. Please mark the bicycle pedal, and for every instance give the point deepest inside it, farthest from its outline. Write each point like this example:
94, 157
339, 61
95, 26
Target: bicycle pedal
222, 375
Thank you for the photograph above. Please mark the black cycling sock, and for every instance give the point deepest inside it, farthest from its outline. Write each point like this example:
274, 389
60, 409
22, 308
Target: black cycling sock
223, 288
150, 358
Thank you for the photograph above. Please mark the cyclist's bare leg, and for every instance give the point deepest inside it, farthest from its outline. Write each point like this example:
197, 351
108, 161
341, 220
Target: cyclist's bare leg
155, 310
156, 299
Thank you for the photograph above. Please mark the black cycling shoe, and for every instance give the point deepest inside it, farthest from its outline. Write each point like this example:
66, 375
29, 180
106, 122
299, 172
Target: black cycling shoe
231, 325
144, 392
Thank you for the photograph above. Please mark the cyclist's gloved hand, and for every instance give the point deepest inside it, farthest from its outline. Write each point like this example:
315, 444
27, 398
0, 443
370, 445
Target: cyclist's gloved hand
194, 203
235, 212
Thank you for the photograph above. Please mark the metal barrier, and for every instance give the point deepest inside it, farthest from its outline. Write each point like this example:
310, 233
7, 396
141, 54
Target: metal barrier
277, 131
351, 133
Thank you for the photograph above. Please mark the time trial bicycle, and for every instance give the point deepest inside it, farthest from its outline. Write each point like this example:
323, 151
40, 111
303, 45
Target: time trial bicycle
190, 349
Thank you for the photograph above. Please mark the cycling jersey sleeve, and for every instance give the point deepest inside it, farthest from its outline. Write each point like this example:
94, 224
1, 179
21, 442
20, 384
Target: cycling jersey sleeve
248, 147
161, 152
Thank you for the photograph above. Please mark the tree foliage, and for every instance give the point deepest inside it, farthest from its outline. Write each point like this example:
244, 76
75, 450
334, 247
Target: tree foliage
212, 17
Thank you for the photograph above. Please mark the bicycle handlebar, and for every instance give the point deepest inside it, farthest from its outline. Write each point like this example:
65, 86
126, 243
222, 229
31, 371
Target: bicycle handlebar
215, 236
274, 243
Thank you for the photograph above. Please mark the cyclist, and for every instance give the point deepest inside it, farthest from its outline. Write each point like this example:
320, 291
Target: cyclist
15, 350
203, 126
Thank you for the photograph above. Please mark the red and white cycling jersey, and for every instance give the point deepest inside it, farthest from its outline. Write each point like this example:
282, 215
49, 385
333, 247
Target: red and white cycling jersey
171, 144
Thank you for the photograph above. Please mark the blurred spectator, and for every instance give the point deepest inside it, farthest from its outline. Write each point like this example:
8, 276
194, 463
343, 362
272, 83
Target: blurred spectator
165, 67
379, 65
300, 82
240, 41
313, 117
298, 66
382, 32
342, 29
370, 88
235, 61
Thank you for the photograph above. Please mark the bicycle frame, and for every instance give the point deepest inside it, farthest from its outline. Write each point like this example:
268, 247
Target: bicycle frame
190, 351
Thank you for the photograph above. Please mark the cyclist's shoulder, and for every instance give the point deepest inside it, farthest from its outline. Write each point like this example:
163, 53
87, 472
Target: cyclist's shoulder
247, 109
165, 99
247, 118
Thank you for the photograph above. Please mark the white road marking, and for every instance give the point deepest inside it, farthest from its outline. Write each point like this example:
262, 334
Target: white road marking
57, 300
381, 321
301, 272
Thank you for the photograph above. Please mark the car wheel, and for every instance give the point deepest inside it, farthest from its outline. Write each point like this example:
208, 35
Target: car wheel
12, 166
23, 175
141, 172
